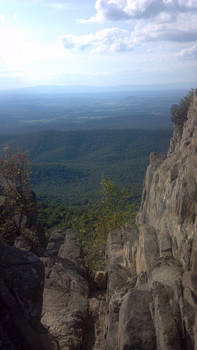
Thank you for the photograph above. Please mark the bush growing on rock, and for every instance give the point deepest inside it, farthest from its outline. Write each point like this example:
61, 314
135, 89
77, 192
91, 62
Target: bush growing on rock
114, 208
17, 201
179, 111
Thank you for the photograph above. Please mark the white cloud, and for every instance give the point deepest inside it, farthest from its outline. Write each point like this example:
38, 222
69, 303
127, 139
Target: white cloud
109, 39
115, 39
54, 4
138, 9
152, 20
58, 5
181, 31
2, 18
188, 53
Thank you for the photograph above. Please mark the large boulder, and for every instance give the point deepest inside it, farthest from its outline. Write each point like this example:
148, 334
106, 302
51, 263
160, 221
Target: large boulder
65, 307
21, 294
121, 269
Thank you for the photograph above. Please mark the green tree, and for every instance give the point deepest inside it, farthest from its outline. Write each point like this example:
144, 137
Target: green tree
113, 209
179, 111
17, 202
115, 204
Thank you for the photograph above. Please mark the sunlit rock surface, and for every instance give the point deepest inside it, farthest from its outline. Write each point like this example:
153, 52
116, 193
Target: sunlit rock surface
152, 268
65, 307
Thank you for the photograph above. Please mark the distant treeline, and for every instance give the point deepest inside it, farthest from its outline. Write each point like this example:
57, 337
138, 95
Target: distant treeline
29, 110
67, 167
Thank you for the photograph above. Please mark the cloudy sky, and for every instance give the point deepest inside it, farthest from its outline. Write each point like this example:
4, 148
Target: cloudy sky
98, 42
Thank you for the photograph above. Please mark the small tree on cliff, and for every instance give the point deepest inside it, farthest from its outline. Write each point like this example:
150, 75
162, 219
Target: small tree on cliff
15, 194
179, 111
113, 209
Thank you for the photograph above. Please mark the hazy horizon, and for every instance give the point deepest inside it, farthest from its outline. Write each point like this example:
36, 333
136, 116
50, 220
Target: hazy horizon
80, 88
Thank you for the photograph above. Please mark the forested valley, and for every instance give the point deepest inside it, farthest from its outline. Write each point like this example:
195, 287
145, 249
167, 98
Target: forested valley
91, 179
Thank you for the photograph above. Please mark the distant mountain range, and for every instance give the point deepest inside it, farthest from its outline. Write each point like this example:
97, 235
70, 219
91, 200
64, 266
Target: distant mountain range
60, 108
58, 89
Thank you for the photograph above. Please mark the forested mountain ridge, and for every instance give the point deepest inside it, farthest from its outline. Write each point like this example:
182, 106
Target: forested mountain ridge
68, 166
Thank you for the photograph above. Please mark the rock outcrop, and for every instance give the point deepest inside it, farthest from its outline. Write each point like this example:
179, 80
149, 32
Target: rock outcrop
152, 268
65, 307
151, 297
21, 293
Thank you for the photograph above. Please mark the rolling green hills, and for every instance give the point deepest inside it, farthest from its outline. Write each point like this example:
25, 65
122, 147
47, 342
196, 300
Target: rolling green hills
67, 167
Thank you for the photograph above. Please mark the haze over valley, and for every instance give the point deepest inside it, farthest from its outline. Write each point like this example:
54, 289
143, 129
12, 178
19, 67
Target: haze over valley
82, 108
74, 139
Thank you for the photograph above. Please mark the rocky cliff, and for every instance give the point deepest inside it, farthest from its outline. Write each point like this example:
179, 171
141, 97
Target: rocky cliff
152, 268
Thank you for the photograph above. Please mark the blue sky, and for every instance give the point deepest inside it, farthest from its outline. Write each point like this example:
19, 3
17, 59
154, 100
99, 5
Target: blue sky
98, 42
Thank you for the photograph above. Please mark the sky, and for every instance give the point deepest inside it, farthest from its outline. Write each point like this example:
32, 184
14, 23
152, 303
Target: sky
98, 42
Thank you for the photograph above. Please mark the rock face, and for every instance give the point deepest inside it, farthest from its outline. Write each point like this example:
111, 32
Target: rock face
21, 292
65, 307
152, 268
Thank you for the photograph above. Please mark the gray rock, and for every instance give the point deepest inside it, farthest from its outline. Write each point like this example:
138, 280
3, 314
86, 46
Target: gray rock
21, 291
97, 323
152, 269
65, 306
136, 329
121, 269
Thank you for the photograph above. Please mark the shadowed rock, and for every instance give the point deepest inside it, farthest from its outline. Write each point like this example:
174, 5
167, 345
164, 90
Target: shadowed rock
21, 291
65, 307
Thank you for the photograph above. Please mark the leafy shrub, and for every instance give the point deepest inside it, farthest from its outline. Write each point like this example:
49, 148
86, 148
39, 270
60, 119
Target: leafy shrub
179, 112
18, 202
114, 208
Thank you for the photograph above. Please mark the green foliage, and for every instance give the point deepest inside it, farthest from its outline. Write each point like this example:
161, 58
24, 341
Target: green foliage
17, 207
52, 216
113, 208
14, 180
114, 203
179, 112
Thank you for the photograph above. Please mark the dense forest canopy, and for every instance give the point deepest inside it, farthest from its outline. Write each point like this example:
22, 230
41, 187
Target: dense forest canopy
67, 167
